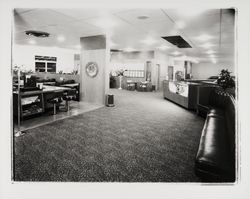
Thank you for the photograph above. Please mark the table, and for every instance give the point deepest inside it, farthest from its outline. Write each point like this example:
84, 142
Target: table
33, 102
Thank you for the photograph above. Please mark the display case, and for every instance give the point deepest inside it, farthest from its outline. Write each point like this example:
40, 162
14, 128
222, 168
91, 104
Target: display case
179, 88
182, 93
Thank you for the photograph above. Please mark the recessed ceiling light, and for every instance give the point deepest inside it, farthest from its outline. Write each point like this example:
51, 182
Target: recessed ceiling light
105, 23
196, 61
180, 24
142, 17
212, 56
128, 49
32, 42
78, 46
163, 47
204, 37
36, 33
149, 41
190, 12
207, 45
61, 38
176, 53
111, 43
214, 61
210, 52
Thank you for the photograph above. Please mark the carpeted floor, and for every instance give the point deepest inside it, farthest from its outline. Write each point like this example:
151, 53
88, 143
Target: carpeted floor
144, 138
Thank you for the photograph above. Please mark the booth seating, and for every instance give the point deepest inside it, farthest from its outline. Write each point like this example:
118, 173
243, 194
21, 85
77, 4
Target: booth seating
56, 100
215, 160
68, 96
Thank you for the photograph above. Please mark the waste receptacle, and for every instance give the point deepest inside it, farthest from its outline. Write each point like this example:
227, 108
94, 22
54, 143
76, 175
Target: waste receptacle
110, 100
153, 88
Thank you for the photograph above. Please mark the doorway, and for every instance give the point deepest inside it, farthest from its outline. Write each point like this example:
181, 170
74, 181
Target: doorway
158, 72
170, 73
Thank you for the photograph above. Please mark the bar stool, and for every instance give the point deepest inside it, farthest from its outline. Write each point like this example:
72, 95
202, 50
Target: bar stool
69, 96
56, 100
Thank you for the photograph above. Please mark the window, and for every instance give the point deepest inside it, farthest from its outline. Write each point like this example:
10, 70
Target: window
40, 66
45, 64
134, 73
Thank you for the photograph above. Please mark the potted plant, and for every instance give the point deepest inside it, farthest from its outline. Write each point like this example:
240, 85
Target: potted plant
225, 80
120, 74
112, 82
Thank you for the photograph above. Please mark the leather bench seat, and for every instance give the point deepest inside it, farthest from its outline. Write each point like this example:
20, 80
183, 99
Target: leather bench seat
215, 156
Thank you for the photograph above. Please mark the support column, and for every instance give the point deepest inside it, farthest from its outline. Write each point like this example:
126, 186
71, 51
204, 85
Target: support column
94, 69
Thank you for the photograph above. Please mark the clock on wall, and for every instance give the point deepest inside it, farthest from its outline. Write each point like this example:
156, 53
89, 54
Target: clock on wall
91, 69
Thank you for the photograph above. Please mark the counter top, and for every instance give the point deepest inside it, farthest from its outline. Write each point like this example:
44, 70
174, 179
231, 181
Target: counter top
46, 89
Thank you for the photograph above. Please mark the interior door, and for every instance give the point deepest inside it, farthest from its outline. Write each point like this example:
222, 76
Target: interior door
170, 73
158, 76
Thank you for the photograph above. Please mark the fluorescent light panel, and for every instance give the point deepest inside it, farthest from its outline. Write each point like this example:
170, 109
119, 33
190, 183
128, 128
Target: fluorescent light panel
204, 37
149, 41
176, 53
128, 49
32, 42
163, 47
61, 38
207, 45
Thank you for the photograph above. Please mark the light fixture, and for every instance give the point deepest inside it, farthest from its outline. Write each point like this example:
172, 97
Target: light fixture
204, 37
36, 33
129, 49
111, 43
207, 45
142, 17
163, 47
176, 53
190, 12
196, 61
180, 24
32, 42
61, 38
212, 56
210, 52
214, 61
78, 46
105, 23
149, 41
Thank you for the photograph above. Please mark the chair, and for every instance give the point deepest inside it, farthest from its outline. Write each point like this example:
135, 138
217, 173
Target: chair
130, 85
56, 100
68, 96
143, 86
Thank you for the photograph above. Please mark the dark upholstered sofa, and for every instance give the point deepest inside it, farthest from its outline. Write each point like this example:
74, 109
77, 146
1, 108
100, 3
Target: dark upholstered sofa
215, 160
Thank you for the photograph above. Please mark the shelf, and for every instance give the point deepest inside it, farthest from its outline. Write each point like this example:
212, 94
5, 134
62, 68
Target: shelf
32, 110
30, 100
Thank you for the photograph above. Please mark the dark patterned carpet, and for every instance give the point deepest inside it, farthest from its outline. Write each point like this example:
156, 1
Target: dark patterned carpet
144, 138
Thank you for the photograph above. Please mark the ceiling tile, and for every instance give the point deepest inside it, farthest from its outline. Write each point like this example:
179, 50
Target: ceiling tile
131, 16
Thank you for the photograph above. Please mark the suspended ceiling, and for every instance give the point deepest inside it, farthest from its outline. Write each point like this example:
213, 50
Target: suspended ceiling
210, 33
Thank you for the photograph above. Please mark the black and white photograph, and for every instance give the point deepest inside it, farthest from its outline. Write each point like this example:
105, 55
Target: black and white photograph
123, 96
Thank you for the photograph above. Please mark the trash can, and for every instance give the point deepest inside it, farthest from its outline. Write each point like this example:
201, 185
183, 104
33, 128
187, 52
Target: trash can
153, 88
110, 100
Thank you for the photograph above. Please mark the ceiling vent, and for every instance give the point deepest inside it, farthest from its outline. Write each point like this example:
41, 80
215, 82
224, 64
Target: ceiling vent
177, 41
36, 33
115, 50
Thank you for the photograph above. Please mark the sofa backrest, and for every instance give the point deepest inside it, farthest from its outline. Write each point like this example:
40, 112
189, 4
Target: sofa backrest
217, 98
230, 120
223, 100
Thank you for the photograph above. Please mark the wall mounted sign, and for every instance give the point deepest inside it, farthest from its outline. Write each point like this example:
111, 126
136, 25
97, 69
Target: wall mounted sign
92, 69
